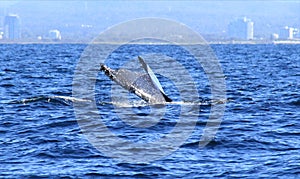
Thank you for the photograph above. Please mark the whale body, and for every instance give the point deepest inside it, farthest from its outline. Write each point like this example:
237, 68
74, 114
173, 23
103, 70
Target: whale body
144, 85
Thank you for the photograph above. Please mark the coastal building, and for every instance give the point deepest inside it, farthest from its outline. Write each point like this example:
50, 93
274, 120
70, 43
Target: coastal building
241, 29
12, 27
54, 35
286, 33
1, 33
274, 36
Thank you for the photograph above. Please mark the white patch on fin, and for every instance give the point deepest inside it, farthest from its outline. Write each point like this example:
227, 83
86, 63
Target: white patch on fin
153, 78
151, 74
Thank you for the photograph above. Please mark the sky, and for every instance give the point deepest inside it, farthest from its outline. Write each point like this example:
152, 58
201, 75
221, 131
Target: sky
86, 19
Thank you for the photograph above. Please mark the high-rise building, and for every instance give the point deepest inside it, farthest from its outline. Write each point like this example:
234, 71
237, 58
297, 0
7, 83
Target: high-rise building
1, 35
241, 29
12, 27
286, 33
54, 35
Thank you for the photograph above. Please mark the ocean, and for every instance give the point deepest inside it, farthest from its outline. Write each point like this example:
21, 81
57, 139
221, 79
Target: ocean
42, 134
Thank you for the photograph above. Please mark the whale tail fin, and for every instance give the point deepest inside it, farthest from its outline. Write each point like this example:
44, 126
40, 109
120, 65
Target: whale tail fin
154, 78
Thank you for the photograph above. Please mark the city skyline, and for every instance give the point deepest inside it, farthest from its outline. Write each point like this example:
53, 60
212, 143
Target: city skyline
84, 20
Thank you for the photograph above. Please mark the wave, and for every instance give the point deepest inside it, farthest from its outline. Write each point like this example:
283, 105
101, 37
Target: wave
67, 100
296, 102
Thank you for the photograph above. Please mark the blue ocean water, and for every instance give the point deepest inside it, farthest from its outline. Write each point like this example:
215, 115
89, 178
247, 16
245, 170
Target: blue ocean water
258, 137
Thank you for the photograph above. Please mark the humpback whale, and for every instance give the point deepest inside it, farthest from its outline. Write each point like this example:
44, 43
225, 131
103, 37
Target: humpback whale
144, 85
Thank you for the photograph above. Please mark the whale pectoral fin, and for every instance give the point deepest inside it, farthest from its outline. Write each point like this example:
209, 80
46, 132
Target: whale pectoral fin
151, 74
166, 97
154, 78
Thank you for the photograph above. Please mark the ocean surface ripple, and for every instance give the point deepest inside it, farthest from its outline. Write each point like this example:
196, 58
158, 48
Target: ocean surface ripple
258, 137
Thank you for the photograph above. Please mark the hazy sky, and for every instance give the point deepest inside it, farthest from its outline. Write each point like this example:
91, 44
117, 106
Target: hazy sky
209, 17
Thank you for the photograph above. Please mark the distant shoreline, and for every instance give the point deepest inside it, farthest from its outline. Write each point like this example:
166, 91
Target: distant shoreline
290, 42
257, 42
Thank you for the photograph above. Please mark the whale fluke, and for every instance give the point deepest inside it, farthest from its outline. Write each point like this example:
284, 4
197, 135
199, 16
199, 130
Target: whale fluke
144, 85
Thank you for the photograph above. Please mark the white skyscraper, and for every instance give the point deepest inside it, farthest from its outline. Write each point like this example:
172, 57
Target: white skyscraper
54, 35
286, 33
